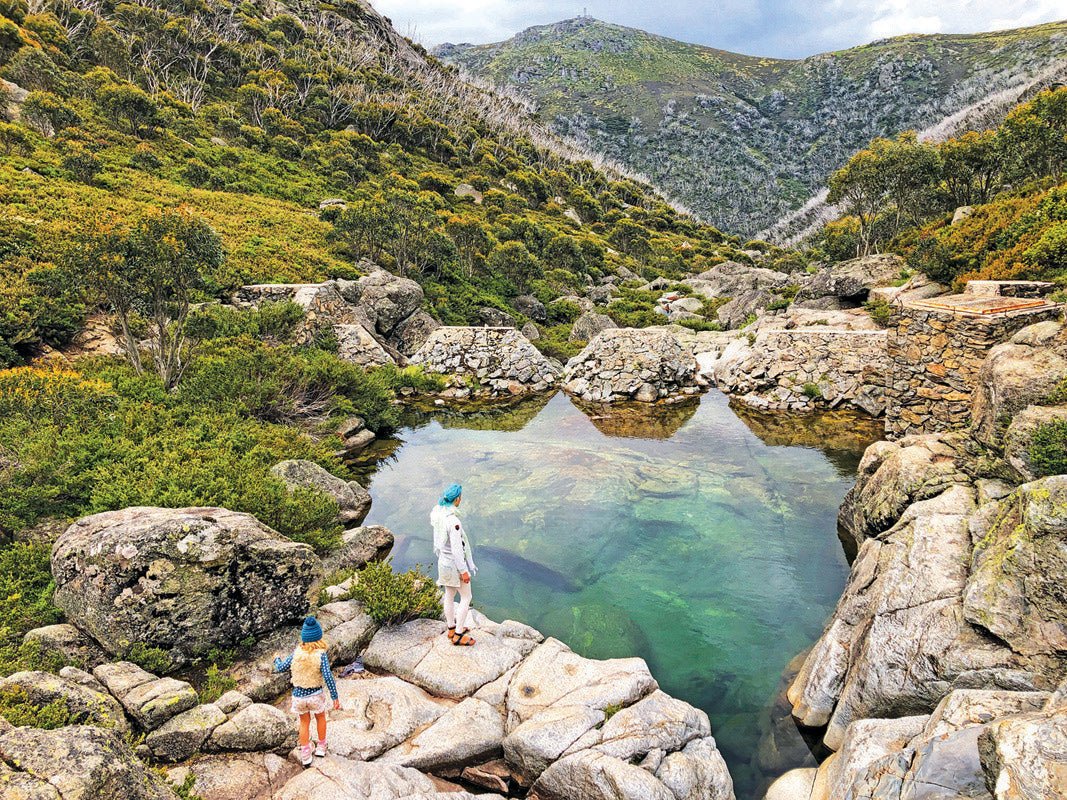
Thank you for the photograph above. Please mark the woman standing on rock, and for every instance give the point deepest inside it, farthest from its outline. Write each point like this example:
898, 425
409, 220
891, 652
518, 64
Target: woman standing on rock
455, 564
309, 666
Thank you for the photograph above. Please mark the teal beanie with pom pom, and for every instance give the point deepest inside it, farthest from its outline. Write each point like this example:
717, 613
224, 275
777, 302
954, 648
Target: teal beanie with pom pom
312, 631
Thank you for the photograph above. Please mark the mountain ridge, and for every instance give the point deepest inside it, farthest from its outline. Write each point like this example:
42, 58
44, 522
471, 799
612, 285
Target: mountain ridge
696, 120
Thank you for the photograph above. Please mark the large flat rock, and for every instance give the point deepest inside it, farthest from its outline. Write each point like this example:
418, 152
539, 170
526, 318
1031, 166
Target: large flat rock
469, 733
554, 674
420, 653
379, 714
236, 776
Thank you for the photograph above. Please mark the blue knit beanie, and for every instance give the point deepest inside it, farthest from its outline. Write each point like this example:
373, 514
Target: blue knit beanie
312, 631
451, 495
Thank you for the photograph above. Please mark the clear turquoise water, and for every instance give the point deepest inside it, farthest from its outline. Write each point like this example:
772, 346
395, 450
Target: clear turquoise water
706, 551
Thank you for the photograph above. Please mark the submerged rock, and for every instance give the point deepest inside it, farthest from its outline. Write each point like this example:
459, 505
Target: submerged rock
182, 580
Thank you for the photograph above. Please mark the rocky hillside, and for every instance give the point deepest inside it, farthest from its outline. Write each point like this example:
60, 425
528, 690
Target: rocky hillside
319, 123
942, 671
743, 140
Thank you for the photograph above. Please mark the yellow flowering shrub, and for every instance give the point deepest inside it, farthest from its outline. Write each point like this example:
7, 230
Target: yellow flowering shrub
60, 395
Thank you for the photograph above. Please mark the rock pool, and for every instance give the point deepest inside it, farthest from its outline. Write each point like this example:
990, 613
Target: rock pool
701, 541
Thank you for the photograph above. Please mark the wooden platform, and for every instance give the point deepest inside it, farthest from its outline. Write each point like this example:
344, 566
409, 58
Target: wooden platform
981, 305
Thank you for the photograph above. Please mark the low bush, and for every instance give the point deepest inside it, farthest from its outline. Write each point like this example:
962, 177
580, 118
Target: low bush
270, 321
701, 324
26, 589
880, 310
16, 708
1048, 449
153, 659
392, 597
155, 448
554, 343
635, 309
216, 683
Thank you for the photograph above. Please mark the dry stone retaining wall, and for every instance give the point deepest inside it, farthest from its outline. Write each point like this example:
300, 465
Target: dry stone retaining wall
501, 360
934, 358
632, 364
779, 369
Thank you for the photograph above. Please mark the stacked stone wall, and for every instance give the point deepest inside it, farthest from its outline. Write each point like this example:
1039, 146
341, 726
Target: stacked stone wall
500, 361
623, 364
934, 358
805, 369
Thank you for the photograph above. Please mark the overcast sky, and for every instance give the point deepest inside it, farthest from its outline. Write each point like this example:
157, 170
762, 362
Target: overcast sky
781, 28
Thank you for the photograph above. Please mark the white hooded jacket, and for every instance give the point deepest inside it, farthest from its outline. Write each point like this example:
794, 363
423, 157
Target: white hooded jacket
450, 540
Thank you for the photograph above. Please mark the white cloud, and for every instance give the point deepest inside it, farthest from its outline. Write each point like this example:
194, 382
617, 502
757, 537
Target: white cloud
784, 28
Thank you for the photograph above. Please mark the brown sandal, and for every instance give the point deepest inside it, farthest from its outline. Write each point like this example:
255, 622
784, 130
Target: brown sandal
464, 639
450, 632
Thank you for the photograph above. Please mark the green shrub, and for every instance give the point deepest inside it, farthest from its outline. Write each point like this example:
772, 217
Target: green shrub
1048, 449
635, 309
184, 790
880, 310
82, 164
269, 321
1058, 395
701, 324
563, 312
283, 384
152, 447
392, 598
26, 589
150, 658
555, 343
812, 391
215, 684
16, 708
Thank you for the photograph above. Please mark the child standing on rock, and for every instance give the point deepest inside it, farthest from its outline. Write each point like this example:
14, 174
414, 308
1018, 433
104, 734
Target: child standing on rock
455, 564
309, 666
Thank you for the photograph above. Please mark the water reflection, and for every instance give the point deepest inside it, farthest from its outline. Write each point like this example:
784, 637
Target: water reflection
639, 420
690, 541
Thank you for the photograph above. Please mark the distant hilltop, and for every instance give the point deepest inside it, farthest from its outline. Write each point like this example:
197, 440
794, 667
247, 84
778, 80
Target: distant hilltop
744, 140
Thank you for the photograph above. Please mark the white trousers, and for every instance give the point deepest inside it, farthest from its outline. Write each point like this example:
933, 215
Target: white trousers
458, 618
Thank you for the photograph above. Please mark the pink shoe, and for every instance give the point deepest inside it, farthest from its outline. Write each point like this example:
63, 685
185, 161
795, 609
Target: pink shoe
305, 755
320, 750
